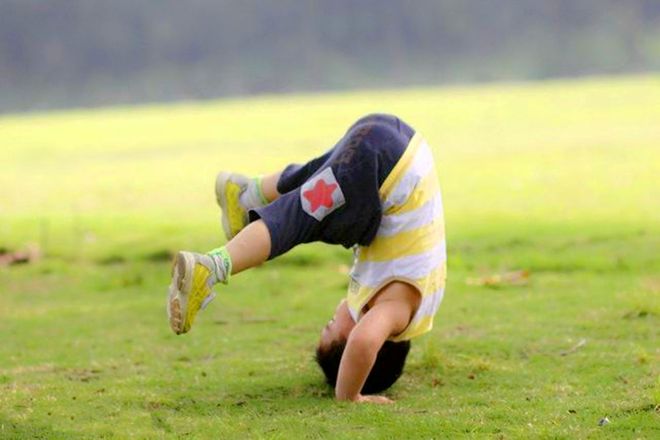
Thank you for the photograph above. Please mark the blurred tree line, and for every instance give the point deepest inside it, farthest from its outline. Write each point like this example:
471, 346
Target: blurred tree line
58, 53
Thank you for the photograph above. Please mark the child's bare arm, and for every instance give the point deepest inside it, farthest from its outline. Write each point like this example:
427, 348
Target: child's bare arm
384, 319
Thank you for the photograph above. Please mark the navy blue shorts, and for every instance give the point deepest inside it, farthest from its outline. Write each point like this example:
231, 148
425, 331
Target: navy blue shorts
334, 198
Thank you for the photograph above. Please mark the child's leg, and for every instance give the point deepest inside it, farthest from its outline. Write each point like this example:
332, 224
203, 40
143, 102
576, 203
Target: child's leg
269, 186
237, 194
250, 247
335, 198
290, 178
193, 274
295, 175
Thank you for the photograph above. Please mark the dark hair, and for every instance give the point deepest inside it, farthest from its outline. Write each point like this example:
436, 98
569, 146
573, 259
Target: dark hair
386, 370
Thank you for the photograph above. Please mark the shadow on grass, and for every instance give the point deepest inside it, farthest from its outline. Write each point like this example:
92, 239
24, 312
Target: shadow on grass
236, 413
12, 429
200, 401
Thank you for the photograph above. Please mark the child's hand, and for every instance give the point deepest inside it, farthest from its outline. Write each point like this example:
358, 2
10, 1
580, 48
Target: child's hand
381, 400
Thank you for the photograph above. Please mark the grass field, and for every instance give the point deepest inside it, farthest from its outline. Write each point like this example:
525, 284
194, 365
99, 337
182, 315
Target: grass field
560, 179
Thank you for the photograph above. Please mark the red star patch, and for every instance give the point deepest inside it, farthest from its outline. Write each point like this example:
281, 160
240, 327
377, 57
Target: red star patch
320, 195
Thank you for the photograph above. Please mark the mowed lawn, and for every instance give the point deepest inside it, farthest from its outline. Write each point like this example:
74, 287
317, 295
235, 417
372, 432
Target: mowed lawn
559, 181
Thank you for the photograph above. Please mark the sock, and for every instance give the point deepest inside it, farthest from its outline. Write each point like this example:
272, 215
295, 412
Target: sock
253, 196
222, 264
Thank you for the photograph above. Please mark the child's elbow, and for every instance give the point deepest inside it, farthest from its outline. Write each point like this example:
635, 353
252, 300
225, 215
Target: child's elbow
364, 343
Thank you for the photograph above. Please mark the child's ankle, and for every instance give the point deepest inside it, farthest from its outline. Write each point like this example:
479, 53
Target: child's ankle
222, 264
259, 184
253, 196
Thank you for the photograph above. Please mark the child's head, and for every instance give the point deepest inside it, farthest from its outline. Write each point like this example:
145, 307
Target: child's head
389, 362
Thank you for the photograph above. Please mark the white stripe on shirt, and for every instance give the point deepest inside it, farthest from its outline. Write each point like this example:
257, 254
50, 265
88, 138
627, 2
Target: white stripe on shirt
392, 224
371, 273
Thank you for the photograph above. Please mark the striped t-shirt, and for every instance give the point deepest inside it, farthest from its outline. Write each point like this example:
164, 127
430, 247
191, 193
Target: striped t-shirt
410, 242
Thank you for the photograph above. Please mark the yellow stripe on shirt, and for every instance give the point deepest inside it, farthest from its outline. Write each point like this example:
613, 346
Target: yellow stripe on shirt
401, 166
419, 327
427, 187
414, 241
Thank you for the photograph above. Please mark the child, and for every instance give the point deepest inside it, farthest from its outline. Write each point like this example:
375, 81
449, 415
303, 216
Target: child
375, 190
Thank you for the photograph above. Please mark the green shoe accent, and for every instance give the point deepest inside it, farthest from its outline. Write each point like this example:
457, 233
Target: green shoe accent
224, 256
257, 181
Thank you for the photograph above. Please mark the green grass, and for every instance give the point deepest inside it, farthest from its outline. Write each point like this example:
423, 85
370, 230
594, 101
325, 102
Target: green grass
557, 178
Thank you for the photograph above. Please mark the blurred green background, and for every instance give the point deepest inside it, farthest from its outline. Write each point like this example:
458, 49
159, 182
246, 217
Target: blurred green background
60, 53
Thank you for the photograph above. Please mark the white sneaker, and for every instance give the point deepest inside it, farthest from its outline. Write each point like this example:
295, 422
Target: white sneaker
193, 276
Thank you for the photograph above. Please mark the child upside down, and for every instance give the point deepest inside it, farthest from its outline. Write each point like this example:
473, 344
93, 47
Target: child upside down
377, 191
